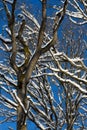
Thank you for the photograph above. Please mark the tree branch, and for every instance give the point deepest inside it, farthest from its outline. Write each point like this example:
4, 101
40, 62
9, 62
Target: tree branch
58, 19
43, 25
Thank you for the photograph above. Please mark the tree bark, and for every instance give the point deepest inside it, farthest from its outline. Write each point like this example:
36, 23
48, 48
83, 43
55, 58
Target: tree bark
21, 114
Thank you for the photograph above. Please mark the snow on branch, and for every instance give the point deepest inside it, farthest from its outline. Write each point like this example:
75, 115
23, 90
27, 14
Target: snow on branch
30, 17
80, 13
77, 63
9, 1
8, 102
33, 118
5, 40
78, 23
8, 80
19, 101
76, 85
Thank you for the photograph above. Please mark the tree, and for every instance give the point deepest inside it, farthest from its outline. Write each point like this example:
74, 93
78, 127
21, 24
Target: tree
81, 11
32, 59
78, 14
72, 98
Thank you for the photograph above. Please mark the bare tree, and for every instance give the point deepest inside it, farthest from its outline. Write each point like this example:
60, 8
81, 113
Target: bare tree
30, 59
72, 98
77, 11
19, 49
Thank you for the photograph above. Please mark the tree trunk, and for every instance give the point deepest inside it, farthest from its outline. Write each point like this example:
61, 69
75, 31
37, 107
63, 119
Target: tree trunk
69, 127
21, 114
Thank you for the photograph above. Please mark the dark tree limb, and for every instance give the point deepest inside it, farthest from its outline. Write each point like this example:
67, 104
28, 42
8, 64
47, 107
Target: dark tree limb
57, 22
43, 25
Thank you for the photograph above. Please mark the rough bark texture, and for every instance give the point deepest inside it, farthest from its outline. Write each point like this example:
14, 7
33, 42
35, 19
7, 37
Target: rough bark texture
21, 114
25, 70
